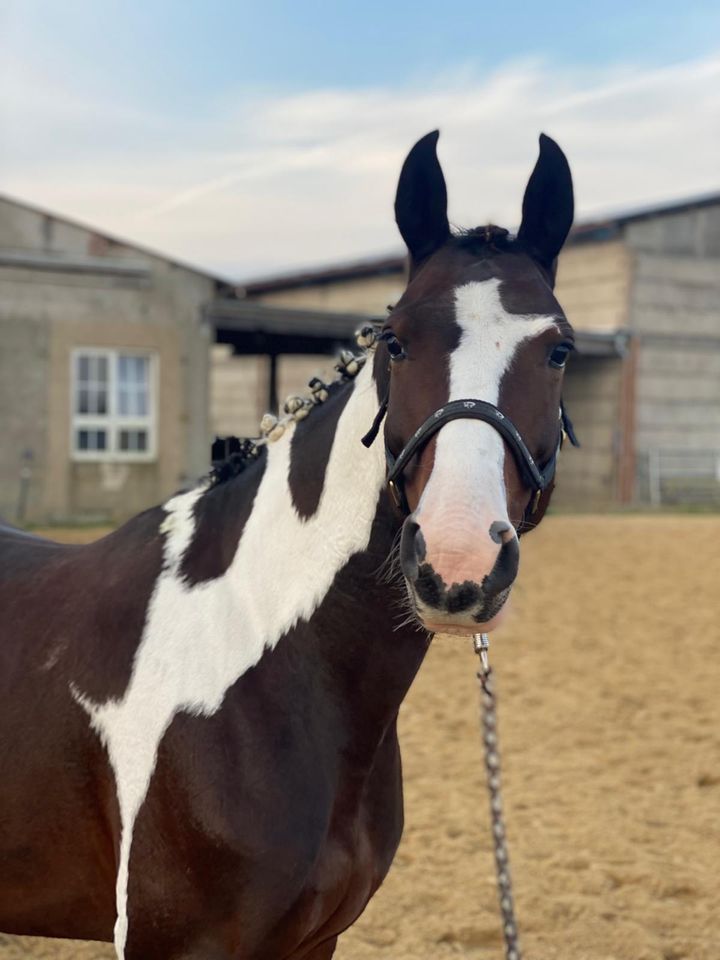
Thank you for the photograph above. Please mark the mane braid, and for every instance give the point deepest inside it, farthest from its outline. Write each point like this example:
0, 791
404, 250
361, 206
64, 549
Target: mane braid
231, 455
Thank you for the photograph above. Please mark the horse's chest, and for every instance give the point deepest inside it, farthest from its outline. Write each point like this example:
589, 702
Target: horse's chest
286, 846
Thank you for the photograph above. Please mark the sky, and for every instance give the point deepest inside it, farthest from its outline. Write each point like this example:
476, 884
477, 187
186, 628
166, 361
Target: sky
256, 138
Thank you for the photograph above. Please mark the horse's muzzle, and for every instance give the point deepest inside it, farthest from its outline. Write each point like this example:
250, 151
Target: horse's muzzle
461, 605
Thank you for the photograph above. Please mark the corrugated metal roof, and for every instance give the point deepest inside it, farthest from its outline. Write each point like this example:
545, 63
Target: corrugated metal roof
592, 231
610, 227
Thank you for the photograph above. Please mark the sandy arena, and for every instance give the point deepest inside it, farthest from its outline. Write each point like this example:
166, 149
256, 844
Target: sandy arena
609, 684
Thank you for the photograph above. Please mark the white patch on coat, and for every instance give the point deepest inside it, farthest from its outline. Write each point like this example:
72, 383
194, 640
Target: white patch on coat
468, 474
199, 639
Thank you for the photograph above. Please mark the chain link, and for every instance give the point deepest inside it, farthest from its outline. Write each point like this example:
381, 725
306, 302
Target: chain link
492, 768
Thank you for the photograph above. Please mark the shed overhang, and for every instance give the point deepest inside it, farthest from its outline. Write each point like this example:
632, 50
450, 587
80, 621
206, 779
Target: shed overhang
251, 327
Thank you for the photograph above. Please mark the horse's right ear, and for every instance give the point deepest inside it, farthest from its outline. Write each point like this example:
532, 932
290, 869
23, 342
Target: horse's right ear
547, 210
421, 200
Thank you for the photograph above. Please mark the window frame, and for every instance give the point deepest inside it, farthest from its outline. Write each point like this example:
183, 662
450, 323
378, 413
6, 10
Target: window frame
113, 422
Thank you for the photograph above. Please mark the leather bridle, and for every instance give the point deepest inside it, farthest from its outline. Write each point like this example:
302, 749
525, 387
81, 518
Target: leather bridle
536, 478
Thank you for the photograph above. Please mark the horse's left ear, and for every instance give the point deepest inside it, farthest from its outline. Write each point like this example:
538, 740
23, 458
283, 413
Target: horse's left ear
548, 205
421, 200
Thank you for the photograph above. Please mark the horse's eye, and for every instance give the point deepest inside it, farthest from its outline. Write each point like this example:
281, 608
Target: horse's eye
395, 348
559, 355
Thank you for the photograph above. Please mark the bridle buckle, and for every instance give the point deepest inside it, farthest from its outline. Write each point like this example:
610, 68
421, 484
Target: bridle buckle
393, 487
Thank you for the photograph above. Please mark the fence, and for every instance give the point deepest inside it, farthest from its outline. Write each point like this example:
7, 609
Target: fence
680, 477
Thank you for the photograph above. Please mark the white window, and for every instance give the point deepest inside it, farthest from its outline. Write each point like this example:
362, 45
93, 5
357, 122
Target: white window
113, 405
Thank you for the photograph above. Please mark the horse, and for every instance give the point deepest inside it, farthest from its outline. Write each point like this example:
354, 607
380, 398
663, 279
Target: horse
198, 712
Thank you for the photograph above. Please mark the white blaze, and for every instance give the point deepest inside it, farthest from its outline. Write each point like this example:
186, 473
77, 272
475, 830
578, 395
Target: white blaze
198, 639
466, 489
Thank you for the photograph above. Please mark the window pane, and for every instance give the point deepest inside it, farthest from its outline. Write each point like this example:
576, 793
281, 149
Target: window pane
133, 384
132, 441
130, 403
140, 370
123, 370
92, 400
91, 440
132, 370
91, 386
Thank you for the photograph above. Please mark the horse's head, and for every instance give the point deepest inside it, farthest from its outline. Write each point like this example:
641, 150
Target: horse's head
478, 321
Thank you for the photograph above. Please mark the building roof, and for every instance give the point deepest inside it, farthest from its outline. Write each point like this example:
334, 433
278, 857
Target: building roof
611, 227
93, 264
591, 231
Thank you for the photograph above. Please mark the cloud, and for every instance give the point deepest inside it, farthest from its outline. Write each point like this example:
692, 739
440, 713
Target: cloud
256, 184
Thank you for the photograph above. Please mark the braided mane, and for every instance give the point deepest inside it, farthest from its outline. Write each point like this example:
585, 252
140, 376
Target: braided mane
231, 455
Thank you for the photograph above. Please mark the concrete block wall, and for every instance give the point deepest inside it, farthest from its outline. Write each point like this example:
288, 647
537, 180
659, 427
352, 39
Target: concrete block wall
24, 374
676, 314
238, 392
587, 476
593, 284
366, 295
46, 311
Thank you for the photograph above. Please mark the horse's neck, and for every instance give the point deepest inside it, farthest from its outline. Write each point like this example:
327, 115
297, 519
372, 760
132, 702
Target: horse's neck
313, 509
310, 549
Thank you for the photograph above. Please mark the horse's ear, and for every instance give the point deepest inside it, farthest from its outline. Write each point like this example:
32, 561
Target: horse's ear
548, 205
421, 200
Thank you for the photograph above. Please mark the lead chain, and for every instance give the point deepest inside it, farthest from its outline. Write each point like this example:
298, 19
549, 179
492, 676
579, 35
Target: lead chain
492, 768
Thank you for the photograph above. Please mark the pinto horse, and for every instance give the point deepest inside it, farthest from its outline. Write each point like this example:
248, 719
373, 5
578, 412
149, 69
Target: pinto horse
198, 746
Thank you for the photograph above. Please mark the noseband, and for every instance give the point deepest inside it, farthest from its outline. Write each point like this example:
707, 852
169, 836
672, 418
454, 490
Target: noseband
536, 478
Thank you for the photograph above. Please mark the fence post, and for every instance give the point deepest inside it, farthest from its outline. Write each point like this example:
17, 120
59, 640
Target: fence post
654, 477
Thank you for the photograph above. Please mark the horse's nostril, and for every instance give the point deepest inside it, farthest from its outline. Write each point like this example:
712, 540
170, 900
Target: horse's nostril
412, 548
505, 570
501, 531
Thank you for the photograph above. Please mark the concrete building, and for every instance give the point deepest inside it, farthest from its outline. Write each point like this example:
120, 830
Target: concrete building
104, 396
643, 292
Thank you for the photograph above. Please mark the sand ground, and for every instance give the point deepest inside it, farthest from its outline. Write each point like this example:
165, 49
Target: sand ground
608, 675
